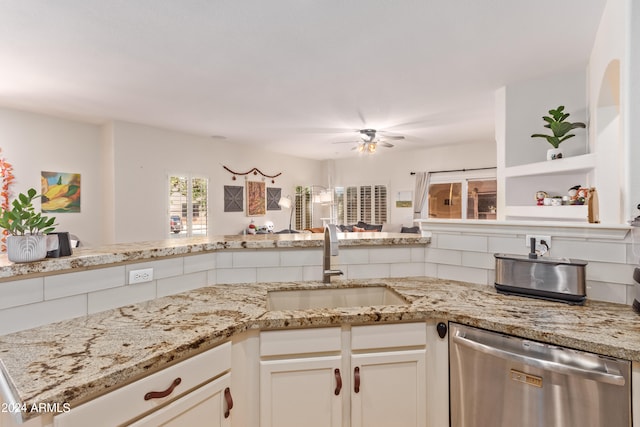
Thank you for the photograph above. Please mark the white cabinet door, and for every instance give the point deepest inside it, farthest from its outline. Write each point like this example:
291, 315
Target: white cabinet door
209, 405
389, 389
301, 392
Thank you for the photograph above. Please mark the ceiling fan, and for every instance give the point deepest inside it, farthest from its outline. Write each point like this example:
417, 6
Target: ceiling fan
370, 139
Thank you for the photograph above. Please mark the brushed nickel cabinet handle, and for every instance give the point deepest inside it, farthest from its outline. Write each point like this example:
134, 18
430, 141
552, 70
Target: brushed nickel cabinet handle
161, 394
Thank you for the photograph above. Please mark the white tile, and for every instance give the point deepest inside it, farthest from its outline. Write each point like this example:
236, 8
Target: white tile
609, 272
224, 259
430, 269
589, 250
631, 294
406, 269
255, 258
83, 282
312, 273
369, 271
212, 277
175, 285
632, 257
353, 256
478, 260
161, 268
609, 292
443, 256
463, 242
279, 274
120, 296
418, 254
235, 275
20, 292
389, 255
464, 274
507, 245
200, 262
300, 257
491, 277
32, 315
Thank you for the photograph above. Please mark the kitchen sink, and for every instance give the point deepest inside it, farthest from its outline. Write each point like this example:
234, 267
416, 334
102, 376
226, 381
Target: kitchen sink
303, 299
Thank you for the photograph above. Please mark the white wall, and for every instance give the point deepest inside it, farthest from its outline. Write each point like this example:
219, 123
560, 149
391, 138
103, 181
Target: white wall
33, 143
146, 156
528, 101
393, 168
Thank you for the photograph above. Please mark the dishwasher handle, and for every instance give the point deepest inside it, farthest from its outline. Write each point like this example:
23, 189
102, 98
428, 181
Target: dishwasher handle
549, 365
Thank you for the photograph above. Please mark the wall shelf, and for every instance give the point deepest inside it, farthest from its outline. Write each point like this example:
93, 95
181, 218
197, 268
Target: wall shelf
560, 213
575, 164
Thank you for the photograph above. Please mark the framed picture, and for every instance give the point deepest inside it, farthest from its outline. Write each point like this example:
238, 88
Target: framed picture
273, 197
60, 192
256, 198
233, 198
404, 199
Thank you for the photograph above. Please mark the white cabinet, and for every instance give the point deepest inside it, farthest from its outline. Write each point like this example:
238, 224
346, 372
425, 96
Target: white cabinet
301, 378
388, 375
366, 376
210, 404
173, 396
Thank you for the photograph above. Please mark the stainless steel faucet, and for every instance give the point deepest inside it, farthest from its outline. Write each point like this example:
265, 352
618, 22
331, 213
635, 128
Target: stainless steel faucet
330, 249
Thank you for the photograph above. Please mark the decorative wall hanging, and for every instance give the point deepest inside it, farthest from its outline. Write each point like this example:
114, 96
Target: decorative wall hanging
6, 174
273, 197
233, 198
60, 192
256, 200
255, 171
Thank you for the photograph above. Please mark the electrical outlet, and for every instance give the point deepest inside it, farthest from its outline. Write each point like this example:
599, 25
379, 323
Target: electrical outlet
539, 238
140, 276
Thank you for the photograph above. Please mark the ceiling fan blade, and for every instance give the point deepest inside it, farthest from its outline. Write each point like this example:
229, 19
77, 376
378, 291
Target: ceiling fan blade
345, 142
385, 144
394, 137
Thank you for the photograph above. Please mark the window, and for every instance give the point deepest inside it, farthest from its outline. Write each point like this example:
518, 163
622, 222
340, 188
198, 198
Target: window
473, 192
304, 208
366, 203
188, 206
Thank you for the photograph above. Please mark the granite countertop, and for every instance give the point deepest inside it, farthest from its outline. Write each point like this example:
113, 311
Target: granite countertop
141, 251
80, 359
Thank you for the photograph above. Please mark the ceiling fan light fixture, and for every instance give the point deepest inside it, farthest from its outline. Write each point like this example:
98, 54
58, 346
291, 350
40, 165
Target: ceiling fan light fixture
371, 147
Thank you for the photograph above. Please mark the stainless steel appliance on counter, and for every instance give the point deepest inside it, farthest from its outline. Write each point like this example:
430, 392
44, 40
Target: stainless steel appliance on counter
500, 380
556, 279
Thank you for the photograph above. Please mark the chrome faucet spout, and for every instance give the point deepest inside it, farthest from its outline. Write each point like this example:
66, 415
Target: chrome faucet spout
330, 249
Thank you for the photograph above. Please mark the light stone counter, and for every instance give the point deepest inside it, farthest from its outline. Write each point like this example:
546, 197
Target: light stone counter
144, 251
82, 358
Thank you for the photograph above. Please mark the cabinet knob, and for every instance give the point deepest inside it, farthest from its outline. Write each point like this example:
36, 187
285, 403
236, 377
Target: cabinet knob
165, 393
338, 381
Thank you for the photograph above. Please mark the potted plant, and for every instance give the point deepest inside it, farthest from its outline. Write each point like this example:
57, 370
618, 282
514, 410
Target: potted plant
26, 228
560, 128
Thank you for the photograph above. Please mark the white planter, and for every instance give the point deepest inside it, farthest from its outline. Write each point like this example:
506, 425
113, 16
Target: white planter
554, 153
26, 248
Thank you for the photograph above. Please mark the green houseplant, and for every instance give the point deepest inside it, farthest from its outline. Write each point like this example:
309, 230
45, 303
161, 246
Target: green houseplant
560, 127
26, 228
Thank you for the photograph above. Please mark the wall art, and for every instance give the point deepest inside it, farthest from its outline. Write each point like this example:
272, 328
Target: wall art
256, 199
60, 192
273, 197
233, 198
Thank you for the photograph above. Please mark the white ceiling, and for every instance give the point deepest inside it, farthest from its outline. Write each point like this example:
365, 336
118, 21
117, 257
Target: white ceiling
290, 75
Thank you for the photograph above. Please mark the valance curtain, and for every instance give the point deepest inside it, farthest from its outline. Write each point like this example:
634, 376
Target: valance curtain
420, 193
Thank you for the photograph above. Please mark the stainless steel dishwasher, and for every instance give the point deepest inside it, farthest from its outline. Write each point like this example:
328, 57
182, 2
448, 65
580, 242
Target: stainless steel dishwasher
498, 380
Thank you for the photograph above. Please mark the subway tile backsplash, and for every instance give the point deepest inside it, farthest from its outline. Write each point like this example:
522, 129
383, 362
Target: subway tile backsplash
465, 256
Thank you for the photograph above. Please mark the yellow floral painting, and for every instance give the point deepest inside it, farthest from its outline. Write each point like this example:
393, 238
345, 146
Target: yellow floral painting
60, 192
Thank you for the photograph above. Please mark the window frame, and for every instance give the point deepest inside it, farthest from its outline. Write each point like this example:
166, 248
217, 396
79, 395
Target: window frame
462, 177
188, 216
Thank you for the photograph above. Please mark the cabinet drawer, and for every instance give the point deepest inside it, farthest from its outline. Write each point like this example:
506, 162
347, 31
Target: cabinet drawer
390, 335
129, 402
299, 341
